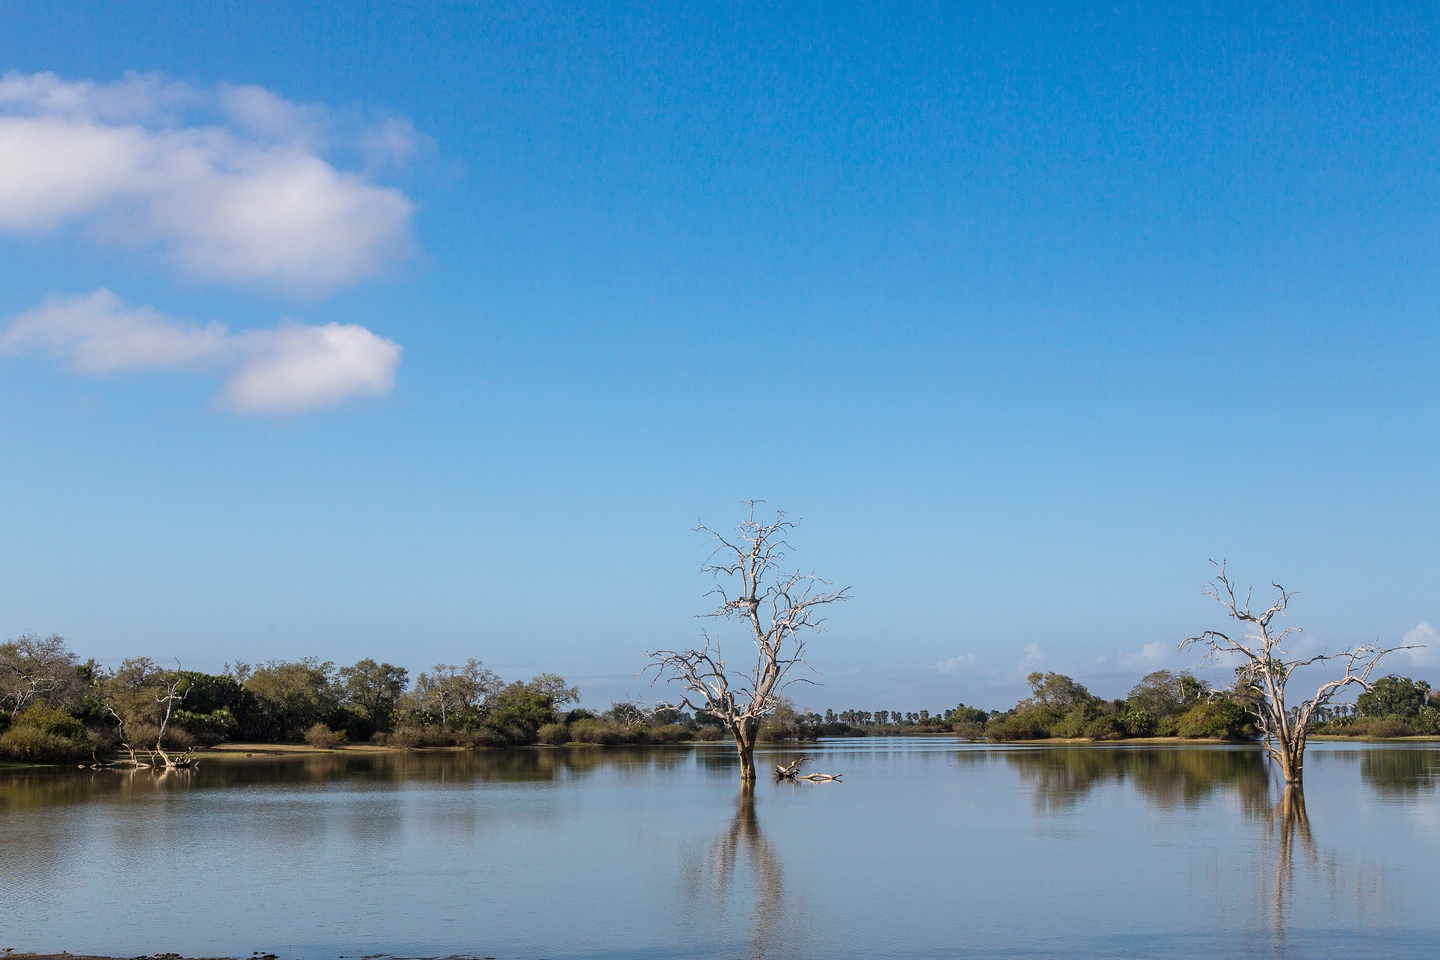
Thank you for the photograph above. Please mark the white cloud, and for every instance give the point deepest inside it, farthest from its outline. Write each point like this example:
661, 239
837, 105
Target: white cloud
230, 182
1150, 655
302, 368
1426, 641
961, 663
1033, 660
289, 369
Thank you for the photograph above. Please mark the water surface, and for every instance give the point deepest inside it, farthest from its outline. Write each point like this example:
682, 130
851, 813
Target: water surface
928, 848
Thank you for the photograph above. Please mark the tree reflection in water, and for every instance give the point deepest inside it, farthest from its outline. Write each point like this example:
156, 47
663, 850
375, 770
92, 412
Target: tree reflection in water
1400, 772
1288, 824
1168, 777
774, 933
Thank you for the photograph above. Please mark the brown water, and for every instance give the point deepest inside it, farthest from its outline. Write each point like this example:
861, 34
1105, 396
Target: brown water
928, 848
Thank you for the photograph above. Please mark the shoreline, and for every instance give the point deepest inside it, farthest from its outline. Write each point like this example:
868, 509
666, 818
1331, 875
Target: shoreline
266, 751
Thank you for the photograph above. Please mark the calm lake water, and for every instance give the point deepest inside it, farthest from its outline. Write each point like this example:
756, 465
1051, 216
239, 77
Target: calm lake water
928, 848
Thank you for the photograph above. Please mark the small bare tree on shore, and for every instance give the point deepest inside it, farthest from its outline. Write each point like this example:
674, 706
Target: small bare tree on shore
777, 611
1266, 668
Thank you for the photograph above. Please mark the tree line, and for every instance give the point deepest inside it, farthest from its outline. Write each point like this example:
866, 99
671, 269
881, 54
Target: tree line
1163, 704
53, 706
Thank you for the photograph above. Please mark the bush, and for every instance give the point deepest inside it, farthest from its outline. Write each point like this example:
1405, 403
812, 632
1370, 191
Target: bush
208, 728
1386, 728
1104, 727
709, 734
50, 719
671, 733
33, 745
1075, 723
1021, 725
554, 734
411, 737
1138, 722
773, 733
597, 731
44, 734
484, 737
322, 737
1217, 719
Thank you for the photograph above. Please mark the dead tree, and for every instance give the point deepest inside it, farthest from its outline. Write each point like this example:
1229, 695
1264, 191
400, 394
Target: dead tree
34, 669
790, 772
776, 610
1266, 668
171, 694
168, 693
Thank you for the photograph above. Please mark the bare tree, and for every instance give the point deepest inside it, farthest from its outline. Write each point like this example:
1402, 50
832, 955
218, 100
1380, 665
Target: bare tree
170, 693
129, 692
34, 669
776, 609
1265, 668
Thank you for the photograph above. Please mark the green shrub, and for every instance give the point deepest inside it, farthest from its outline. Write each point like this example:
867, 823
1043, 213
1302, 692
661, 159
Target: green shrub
1138, 722
1029, 724
1168, 726
1387, 728
709, 734
773, 733
1104, 727
597, 731
321, 737
671, 733
1428, 720
414, 736
554, 734
32, 745
50, 719
44, 734
484, 737
207, 728
1217, 719
1074, 723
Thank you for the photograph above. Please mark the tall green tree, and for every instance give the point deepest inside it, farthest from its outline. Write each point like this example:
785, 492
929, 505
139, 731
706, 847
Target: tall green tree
292, 697
375, 689
1394, 697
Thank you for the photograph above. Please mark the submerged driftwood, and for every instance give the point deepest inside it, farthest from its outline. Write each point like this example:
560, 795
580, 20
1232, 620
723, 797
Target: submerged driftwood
791, 772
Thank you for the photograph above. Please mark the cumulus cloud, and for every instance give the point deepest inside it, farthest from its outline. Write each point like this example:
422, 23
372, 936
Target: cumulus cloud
228, 181
1150, 655
1033, 660
1426, 643
288, 369
961, 663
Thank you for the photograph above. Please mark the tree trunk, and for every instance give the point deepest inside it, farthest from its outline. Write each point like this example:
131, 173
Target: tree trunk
1292, 760
745, 746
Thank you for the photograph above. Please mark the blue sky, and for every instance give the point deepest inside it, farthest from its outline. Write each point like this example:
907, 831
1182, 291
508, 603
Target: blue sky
426, 332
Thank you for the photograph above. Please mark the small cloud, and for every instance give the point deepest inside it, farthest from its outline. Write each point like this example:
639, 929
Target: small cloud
962, 663
229, 182
288, 369
296, 368
1033, 660
1150, 655
1426, 641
